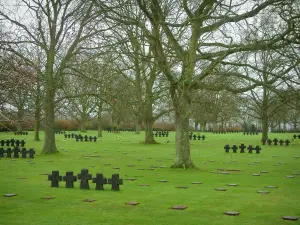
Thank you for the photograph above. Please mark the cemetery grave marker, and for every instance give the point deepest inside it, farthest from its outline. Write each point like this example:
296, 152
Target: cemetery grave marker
2, 142
226, 148
281, 142
275, 141
8, 152
100, 181
115, 182
287, 142
16, 152
179, 207
257, 149
22, 142
24, 152
88, 200
54, 178
69, 178
84, 178
293, 218
242, 147
234, 148
232, 213
250, 149
221, 189
263, 192
2, 152
132, 203
9, 195
7, 142
12, 142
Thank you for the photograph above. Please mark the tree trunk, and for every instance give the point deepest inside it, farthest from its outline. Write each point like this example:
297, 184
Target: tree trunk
137, 127
183, 156
149, 138
20, 117
37, 113
196, 125
49, 140
99, 119
264, 125
203, 126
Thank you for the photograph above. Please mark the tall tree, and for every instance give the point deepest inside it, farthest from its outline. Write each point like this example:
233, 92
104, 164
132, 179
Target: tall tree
61, 29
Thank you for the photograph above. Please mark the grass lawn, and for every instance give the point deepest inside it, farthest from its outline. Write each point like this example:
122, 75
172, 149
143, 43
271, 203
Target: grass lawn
205, 205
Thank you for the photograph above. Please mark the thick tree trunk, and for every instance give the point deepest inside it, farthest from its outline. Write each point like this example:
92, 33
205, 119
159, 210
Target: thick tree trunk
20, 117
49, 141
149, 138
137, 128
264, 126
183, 156
99, 119
203, 126
196, 125
37, 113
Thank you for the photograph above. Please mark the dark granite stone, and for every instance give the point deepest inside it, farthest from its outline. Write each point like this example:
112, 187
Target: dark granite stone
115, 182
196, 182
84, 178
163, 181
54, 178
69, 178
182, 187
99, 180
144, 185
89, 200
48, 197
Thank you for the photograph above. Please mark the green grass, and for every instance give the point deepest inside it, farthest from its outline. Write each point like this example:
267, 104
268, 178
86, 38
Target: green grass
205, 204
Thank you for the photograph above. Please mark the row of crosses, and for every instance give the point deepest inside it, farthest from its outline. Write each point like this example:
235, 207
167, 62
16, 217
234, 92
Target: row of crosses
295, 136
16, 152
242, 147
84, 178
275, 141
194, 137
12, 142
21, 133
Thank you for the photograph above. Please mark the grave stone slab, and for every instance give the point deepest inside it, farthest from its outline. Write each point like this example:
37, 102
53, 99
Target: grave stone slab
9, 195
89, 200
221, 189
263, 192
232, 213
132, 203
179, 207
293, 218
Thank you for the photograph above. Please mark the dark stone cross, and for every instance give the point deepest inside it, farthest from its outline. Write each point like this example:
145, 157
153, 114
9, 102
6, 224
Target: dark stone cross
293, 137
91, 138
31, 153
242, 147
199, 137
269, 141
22, 143
84, 178
275, 141
17, 143
287, 142
16, 152
69, 135
95, 138
156, 134
12, 141
66, 135
281, 142
250, 149
69, 178
72, 135
234, 148
115, 182
86, 138
2, 142
159, 134
257, 149
55, 178
226, 147
203, 137
8, 152
99, 180
163, 134
194, 137
24, 152
2, 152
7, 142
